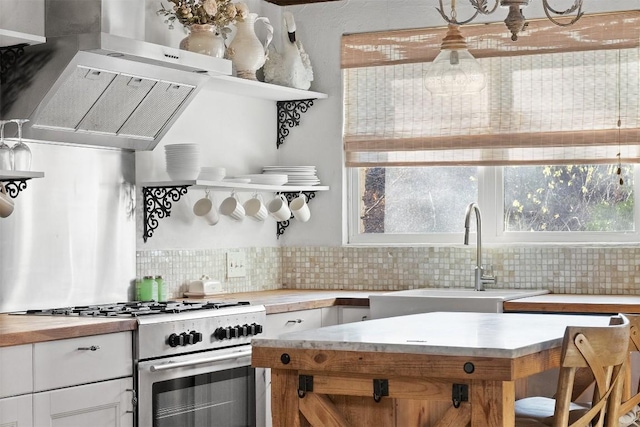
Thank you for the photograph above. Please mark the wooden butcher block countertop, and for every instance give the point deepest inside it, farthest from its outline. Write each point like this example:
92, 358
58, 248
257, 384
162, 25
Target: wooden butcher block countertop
285, 300
566, 303
16, 329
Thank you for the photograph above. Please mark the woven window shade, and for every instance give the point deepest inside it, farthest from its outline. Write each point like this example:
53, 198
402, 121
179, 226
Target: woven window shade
552, 97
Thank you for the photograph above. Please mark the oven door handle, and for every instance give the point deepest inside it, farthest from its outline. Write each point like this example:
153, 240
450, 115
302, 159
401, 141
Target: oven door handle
174, 365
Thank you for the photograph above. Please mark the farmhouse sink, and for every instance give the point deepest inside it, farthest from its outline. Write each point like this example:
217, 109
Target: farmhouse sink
444, 299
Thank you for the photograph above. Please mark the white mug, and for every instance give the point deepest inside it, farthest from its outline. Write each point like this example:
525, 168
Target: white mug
300, 209
204, 208
6, 202
255, 208
232, 207
279, 208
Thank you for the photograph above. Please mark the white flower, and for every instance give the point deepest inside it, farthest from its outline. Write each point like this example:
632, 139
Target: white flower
210, 6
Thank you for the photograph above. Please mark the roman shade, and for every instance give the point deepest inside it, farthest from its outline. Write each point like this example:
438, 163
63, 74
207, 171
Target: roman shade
552, 97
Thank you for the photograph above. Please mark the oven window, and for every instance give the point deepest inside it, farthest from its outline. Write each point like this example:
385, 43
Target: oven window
225, 399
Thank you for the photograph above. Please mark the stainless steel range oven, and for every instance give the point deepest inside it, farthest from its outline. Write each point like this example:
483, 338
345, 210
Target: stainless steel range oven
192, 361
194, 368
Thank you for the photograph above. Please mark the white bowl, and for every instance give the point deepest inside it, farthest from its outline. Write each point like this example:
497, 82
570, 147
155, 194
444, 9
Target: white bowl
183, 175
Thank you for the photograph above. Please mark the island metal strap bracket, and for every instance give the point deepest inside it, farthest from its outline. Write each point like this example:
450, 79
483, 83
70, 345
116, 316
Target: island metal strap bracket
157, 204
459, 394
380, 389
15, 186
305, 384
282, 225
289, 113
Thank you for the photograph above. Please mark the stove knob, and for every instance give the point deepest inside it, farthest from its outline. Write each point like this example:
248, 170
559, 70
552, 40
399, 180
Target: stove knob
235, 331
258, 328
251, 329
221, 333
197, 337
186, 338
175, 340
244, 330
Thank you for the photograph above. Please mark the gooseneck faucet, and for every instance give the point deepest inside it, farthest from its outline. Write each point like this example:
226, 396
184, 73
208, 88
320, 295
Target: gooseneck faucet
480, 278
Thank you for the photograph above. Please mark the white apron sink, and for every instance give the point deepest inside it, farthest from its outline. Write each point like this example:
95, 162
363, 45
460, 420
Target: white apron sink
425, 300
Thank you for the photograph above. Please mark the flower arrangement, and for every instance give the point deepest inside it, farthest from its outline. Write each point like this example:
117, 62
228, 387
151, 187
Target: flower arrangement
219, 13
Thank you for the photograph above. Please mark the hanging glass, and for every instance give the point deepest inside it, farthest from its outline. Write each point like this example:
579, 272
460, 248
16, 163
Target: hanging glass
6, 155
21, 153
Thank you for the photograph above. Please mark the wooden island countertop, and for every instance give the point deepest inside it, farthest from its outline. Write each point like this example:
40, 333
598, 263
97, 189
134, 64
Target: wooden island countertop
570, 303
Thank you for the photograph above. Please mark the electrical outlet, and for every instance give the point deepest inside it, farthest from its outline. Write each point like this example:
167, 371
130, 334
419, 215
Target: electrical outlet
236, 264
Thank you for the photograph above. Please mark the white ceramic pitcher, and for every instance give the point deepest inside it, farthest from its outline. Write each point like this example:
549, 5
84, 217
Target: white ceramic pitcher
245, 51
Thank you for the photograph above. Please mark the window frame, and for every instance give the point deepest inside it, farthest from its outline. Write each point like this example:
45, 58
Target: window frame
491, 201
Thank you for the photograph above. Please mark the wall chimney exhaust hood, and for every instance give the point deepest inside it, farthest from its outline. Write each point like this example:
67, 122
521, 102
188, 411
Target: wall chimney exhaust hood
101, 89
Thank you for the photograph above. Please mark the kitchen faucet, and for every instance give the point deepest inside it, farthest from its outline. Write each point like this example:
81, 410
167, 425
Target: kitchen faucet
480, 278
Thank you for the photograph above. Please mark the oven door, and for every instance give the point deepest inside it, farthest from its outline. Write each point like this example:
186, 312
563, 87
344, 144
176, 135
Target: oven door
213, 388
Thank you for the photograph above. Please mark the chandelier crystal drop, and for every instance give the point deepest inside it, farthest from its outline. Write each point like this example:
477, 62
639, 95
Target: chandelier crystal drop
454, 71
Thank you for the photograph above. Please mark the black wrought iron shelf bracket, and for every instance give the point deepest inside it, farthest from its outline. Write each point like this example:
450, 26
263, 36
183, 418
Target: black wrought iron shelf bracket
289, 114
157, 205
14, 186
290, 195
9, 56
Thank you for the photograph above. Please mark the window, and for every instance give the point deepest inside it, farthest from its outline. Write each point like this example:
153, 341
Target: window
567, 203
537, 149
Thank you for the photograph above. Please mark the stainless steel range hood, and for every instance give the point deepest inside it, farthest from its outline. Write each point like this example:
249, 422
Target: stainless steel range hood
100, 89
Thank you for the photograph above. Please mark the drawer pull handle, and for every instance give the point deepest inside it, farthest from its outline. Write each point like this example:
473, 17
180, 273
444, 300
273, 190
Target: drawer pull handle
92, 348
294, 321
134, 400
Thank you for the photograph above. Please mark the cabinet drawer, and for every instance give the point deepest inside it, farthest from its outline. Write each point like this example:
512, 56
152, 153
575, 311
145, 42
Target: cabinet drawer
16, 370
70, 362
353, 314
302, 320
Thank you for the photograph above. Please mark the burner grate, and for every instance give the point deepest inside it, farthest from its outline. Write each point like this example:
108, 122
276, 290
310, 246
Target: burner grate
136, 308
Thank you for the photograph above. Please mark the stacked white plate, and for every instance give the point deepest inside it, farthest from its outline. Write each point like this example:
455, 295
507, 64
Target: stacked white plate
183, 161
267, 178
296, 175
212, 173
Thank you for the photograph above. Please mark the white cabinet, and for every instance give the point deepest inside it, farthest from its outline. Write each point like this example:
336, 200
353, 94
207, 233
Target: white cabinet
103, 404
303, 320
82, 360
16, 411
86, 381
16, 370
350, 314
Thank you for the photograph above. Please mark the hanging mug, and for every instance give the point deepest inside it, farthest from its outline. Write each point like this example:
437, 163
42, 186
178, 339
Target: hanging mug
279, 208
232, 207
6, 202
255, 208
205, 209
300, 208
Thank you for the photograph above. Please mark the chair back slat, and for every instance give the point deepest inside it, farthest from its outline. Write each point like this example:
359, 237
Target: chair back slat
603, 351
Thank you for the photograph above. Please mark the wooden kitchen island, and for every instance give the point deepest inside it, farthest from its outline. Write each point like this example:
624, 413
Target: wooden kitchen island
432, 369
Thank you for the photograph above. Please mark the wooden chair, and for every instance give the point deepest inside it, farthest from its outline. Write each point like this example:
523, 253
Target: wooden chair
629, 401
604, 352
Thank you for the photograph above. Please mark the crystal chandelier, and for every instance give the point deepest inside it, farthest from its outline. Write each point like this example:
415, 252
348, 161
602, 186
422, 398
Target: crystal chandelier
515, 19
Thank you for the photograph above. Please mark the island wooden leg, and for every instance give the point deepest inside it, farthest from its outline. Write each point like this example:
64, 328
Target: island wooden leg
492, 403
284, 398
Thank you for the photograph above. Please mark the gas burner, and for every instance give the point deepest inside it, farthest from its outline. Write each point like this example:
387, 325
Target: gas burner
136, 308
